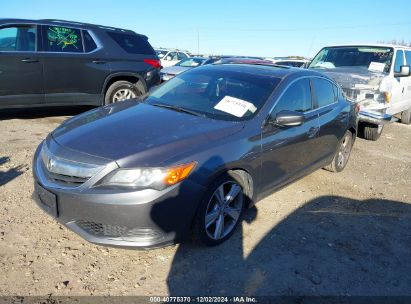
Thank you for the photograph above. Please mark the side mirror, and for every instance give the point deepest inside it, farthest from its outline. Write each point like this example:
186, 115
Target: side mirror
289, 119
404, 71
168, 58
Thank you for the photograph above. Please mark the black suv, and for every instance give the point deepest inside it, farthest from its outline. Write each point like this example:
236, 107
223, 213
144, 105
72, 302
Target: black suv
55, 62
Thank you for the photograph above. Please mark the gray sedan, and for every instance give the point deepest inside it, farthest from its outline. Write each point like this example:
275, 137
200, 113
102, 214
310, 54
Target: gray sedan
189, 158
183, 65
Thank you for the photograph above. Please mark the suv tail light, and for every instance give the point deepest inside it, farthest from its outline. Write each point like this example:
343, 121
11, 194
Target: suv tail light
153, 62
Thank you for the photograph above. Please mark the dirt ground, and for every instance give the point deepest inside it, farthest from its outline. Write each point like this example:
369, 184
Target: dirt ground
327, 234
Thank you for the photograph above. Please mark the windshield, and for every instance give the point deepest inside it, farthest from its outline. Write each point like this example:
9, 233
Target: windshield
370, 57
216, 93
190, 62
161, 53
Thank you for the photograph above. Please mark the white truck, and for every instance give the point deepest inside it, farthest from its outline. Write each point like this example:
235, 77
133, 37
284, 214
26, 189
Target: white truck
376, 76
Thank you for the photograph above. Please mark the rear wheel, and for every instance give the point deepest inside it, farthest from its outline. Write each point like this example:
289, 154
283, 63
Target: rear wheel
121, 90
370, 131
406, 117
340, 159
220, 211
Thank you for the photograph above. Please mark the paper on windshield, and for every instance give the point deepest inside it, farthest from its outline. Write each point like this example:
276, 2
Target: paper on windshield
235, 106
376, 66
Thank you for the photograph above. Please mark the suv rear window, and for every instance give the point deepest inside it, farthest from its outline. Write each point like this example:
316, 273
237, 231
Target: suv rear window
62, 39
133, 44
89, 44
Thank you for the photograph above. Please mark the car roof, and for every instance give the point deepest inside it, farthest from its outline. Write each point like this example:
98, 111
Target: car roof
272, 70
57, 22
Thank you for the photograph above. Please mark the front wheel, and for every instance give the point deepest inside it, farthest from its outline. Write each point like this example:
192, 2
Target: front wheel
340, 159
406, 117
370, 131
220, 211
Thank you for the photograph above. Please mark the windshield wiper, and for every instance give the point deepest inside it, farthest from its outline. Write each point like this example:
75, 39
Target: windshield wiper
177, 108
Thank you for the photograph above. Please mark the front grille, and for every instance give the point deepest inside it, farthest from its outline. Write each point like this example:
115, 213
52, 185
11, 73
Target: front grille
115, 231
64, 180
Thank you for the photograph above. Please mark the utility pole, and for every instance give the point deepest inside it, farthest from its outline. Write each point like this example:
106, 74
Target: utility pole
198, 41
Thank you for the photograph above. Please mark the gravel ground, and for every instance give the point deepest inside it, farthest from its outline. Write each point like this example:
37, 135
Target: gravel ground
327, 234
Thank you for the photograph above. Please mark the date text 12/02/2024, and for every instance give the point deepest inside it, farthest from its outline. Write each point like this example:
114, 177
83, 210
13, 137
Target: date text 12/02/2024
200, 299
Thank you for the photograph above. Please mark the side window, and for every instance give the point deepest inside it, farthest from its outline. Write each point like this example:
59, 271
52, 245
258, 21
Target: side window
172, 55
62, 39
132, 43
399, 61
325, 91
18, 39
89, 43
408, 57
296, 98
181, 56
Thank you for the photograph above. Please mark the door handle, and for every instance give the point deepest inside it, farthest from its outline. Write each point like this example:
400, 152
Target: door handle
97, 61
29, 60
312, 132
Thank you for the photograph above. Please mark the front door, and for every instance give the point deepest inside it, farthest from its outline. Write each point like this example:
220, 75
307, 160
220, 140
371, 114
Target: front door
399, 87
21, 67
288, 152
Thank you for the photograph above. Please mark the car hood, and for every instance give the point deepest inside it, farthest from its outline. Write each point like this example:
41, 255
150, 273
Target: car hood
140, 134
355, 77
174, 70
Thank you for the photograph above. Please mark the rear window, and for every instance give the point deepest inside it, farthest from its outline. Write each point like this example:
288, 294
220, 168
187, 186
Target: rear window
62, 39
133, 44
89, 44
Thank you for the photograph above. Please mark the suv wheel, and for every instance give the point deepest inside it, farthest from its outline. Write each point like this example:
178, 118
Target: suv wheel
340, 159
220, 211
121, 90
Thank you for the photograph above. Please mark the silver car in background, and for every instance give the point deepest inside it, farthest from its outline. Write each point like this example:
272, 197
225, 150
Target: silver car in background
184, 65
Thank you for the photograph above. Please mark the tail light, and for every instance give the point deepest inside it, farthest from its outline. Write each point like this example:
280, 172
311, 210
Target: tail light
357, 108
155, 63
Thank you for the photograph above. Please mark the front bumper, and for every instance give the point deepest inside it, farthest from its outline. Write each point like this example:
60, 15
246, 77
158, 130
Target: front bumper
141, 219
374, 117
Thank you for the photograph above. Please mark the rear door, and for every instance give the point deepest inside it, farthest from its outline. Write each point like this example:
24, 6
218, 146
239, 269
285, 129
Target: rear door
333, 118
21, 66
74, 66
289, 152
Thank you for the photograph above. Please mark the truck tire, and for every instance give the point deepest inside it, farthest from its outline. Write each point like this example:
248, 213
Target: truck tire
370, 131
406, 117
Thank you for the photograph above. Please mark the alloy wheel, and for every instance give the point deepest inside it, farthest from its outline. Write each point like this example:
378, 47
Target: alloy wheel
344, 152
123, 94
223, 210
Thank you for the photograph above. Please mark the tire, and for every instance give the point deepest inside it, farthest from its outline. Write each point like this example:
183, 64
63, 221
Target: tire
210, 207
370, 131
121, 90
343, 153
406, 117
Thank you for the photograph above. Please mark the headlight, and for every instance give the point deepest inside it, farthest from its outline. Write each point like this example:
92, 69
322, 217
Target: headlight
147, 178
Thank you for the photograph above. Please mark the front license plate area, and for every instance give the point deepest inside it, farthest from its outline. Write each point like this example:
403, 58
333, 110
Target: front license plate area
47, 199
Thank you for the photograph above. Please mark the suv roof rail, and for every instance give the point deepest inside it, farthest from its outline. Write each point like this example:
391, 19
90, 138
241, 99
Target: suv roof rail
62, 21
85, 24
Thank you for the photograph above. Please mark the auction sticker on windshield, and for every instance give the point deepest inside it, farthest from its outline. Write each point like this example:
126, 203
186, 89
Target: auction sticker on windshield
235, 106
376, 66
